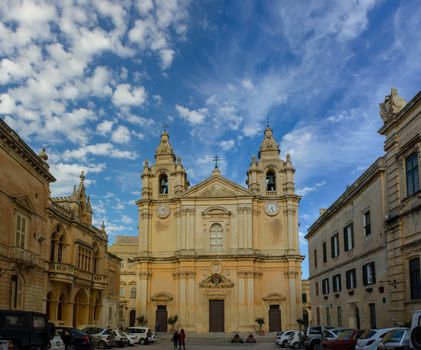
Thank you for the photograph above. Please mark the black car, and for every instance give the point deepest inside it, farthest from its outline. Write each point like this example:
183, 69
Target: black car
25, 330
74, 339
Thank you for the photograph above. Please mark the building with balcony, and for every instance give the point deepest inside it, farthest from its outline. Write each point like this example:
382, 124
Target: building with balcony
365, 249
52, 259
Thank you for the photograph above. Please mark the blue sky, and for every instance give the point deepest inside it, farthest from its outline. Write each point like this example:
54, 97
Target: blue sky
94, 81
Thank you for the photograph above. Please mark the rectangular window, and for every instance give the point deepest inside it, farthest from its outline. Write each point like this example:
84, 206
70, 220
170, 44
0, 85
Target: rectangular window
21, 227
121, 312
369, 274
348, 237
412, 176
415, 278
327, 316
367, 223
325, 252
317, 315
315, 258
122, 291
304, 298
325, 286
339, 315
133, 292
316, 287
17, 292
351, 279
334, 241
373, 323
336, 283
110, 313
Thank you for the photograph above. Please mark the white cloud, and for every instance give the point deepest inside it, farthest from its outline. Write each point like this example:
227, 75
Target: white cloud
226, 145
192, 116
99, 149
247, 84
105, 127
308, 189
167, 56
67, 175
125, 95
126, 220
121, 135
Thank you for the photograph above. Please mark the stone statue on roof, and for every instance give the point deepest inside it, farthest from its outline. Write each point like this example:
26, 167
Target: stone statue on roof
392, 104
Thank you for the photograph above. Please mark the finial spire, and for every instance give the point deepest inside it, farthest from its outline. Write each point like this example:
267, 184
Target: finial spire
82, 176
267, 122
164, 126
215, 159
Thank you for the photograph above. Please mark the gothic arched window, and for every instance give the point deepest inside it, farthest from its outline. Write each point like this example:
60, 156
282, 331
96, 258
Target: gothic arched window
163, 184
57, 243
270, 181
216, 237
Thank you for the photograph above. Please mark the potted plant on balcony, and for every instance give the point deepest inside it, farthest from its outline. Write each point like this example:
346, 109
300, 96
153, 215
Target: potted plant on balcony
260, 321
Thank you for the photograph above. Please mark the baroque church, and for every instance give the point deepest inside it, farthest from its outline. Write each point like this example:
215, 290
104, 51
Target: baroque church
216, 254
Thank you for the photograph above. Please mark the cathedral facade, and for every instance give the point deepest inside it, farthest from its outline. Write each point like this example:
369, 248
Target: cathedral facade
216, 254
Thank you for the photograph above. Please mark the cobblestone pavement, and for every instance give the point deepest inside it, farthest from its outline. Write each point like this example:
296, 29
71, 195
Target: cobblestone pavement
208, 345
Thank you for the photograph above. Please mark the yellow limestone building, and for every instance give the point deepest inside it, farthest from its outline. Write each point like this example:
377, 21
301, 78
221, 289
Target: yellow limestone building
219, 255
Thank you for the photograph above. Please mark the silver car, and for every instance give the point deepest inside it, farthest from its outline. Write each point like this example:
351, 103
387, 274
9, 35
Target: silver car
102, 337
394, 340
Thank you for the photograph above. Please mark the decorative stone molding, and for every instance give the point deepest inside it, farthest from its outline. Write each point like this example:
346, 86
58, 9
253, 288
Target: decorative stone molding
218, 281
274, 297
145, 275
162, 296
249, 274
291, 274
392, 105
184, 275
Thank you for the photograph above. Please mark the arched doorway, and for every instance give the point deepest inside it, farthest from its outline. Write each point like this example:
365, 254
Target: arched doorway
80, 309
132, 318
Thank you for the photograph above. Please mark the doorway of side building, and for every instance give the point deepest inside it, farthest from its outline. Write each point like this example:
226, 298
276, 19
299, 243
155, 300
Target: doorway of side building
216, 316
132, 318
274, 318
161, 318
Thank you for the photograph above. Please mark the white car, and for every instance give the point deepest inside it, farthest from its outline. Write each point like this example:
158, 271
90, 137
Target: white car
56, 343
121, 338
295, 340
133, 339
143, 334
371, 338
283, 338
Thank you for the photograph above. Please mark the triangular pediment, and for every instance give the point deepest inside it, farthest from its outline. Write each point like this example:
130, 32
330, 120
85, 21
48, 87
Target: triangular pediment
24, 202
217, 186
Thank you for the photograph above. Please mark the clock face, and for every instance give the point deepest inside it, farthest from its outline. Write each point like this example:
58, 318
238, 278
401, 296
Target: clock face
271, 208
162, 211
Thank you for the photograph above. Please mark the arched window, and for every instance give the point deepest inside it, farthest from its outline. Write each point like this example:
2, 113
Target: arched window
95, 262
216, 237
270, 181
57, 243
163, 184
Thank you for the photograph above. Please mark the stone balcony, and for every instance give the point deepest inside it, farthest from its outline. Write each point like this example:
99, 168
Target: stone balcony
23, 257
270, 193
99, 281
60, 272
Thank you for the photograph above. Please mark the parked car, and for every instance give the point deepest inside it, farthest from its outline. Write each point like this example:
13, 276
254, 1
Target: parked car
74, 339
345, 340
371, 338
415, 335
145, 335
396, 340
121, 338
25, 329
57, 343
132, 338
313, 336
283, 338
331, 334
295, 340
103, 337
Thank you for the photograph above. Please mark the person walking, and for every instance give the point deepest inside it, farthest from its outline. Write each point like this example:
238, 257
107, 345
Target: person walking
175, 339
182, 339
